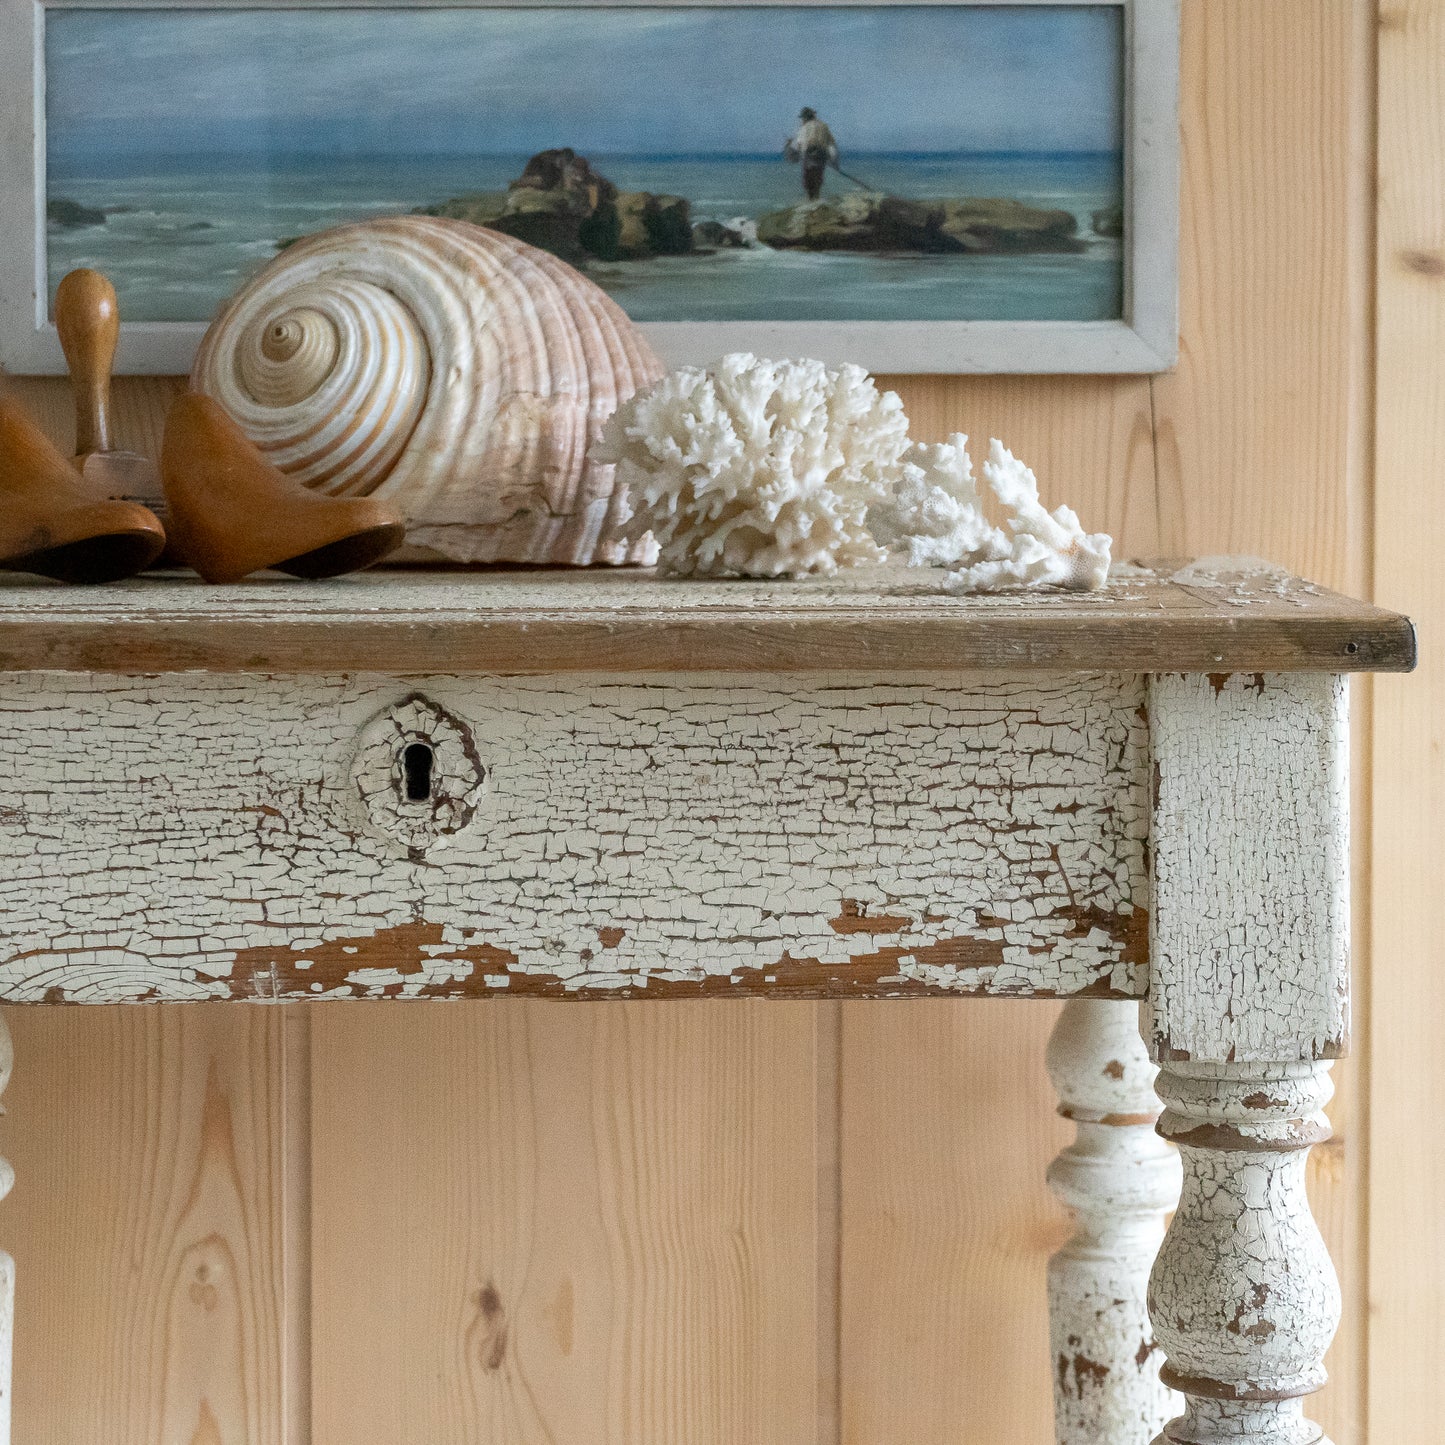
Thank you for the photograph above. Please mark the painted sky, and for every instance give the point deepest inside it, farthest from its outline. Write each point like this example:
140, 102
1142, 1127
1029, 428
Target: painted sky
605, 81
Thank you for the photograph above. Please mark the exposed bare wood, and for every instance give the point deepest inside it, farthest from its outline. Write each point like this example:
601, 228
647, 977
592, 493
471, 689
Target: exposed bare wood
1222, 615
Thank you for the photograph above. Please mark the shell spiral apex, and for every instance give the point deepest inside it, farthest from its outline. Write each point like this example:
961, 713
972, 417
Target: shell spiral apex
454, 371
755, 468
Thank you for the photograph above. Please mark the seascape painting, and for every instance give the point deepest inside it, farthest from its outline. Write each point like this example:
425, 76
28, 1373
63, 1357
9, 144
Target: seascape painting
901, 163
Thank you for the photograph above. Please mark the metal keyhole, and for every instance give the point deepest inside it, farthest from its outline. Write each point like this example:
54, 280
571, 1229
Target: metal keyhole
416, 764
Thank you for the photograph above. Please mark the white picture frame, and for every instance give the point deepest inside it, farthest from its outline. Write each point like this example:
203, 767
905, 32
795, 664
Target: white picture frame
1145, 340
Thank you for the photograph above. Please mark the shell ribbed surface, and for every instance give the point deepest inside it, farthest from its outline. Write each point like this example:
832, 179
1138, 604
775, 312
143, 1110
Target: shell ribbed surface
455, 371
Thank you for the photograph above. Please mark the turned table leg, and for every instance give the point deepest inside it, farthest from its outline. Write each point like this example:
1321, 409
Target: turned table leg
1243, 1295
1120, 1179
1248, 1001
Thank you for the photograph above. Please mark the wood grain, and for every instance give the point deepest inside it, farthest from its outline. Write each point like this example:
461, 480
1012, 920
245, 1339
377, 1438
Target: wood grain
948, 1126
1407, 1095
1221, 615
597, 1224
160, 1255
1253, 429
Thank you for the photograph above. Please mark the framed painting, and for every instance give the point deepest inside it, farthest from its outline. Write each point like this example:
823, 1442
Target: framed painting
953, 186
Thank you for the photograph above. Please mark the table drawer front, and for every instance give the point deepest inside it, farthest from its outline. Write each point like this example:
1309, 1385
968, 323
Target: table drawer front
206, 836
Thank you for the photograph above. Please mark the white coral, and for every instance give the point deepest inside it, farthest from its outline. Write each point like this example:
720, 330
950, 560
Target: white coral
755, 468
932, 514
934, 517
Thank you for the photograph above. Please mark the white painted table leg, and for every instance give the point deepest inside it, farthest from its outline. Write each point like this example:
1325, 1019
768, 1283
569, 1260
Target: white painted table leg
1243, 1295
1120, 1179
1248, 999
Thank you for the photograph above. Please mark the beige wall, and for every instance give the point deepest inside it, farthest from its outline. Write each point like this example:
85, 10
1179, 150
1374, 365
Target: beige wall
680, 1224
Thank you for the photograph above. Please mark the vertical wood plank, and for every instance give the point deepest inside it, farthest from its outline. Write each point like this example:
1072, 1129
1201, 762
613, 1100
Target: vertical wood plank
1407, 1091
1254, 427
154, 1240
541, 1224
948, 1127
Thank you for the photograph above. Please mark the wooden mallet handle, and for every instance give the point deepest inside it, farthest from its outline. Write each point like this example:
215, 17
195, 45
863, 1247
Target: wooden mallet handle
88, 320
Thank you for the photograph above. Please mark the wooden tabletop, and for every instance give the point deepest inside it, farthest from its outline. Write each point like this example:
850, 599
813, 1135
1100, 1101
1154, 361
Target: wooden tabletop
1212, 615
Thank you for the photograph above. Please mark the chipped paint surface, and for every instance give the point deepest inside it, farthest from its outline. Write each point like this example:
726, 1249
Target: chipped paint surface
201, 836
1251, 867
1243, 1296
1249, 989
1120, 1180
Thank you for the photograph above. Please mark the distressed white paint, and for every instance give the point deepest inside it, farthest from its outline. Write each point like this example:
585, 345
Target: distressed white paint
1243, 1296
192, 836
1249, 949
1120, 1179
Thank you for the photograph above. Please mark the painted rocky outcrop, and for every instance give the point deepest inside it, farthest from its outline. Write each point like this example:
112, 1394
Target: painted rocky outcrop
560, 204
71, 214
871, 221
1109, 221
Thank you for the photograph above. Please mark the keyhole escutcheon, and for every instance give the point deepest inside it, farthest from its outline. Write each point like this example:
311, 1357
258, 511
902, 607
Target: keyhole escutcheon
417, 775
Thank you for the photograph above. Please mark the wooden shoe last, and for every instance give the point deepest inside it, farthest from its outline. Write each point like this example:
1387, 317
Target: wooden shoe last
54, 523
231, 512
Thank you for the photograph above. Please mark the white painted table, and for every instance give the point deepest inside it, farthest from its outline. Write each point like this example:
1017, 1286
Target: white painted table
600, 785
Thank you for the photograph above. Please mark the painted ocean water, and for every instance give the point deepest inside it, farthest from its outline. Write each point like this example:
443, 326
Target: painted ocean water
178, 239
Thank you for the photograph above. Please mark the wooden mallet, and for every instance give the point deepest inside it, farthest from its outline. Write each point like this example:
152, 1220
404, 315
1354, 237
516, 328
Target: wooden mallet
88, 320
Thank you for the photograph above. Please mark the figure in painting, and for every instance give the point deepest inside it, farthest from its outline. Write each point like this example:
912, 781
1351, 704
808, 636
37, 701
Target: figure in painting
813, 144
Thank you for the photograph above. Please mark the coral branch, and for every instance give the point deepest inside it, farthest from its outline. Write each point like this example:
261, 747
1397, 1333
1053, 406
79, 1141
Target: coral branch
934, 518
757, 468
782, 468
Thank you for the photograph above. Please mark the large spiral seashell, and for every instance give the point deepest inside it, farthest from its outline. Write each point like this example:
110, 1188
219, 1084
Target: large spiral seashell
459, 373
